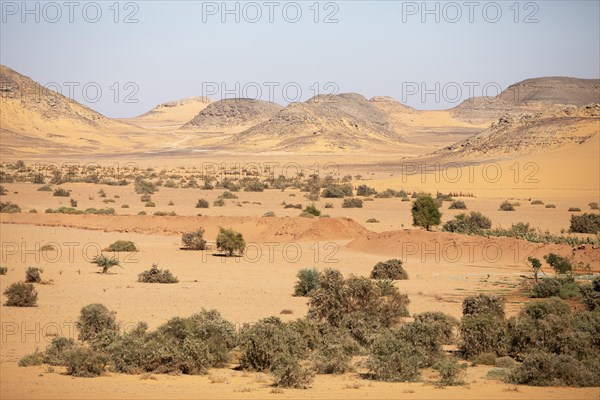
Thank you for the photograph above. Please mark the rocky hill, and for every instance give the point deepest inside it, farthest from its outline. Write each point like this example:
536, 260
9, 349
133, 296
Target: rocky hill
232, 115
526, 133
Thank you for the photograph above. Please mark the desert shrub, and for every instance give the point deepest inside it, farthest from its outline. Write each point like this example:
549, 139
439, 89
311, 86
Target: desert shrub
312, 210
505, 362
150, 204
537, 202
3, 190
9, 208
483, 333
458, 205
144, 187
392, 359
84, 362
561, 265
57, 351
101, 211
425, 212
45, 188
473, 223
386, 286
333, 354
194, 240
485, 359
390, 269
443, 325
142, 213
356, 304
593, 205
3, 270
506, 206
289, 373
451, 372
352, 203
574, 209
202, 203
547, 287
262, 343
364, 190
372, 221
590, 296
546, 369
33, 275
230, 241
550, 206
585, 223
230, 196
308, 280
122, 245
254, 185
337, 191
164, 214
104, 262
268, 214
73, 203
155, 275
219, 202
297, 206
60, 192
125, 206
569, 290
21, 294
483, 304
97, 325
35, 358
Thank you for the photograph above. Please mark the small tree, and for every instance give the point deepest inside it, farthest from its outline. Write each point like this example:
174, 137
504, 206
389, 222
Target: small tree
21, 295
104, 262
194, 240
230, 241
561, 265
536, 265
308, 280
425, 212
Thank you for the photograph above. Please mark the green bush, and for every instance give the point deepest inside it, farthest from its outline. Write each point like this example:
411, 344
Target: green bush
84, 362
9, 208
585, 223
443, 325
230, 241
58, 350
60, 192
364, 190
474, 223
97, 326
35, 358
144, 187
547, 287
104, 262
334, 352
425, 212
202, 203
484, 304
308, 280
356, 304
546, 369
155, 275
392, 359
485, 359
262, 343
228, 195
561, 265
451, 372
312, 210
483, 333
33, 275
352, 203
122, 245
254, 186
45, 188
21, 294
390, 269
590, 296
193, 240
289, 373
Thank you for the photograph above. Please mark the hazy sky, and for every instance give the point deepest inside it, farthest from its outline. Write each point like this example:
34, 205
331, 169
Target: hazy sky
170, 50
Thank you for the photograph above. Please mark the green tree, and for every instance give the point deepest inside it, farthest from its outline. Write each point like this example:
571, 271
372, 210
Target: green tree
230, 241
536, 265
425, 212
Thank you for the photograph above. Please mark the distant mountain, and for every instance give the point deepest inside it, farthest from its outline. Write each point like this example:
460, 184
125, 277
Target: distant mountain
527, 133
171, 115
325, 122
232, 115
530, 95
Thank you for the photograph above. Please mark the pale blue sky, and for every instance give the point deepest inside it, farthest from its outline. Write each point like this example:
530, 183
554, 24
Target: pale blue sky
375, 48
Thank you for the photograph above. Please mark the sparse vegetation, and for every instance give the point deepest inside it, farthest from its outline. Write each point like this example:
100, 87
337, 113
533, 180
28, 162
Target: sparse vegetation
352, 203
33, 275
474, 223
425, 212
390, 269
122, 245
156, 275
193, 240
9, 208
312, 210
585, 223
458, 205
506, 206
60, 192
104, 262
308, 280
202, 203
230, 241
21, 294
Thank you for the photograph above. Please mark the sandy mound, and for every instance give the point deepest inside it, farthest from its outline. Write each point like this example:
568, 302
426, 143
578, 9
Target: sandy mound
253, 228
454, 248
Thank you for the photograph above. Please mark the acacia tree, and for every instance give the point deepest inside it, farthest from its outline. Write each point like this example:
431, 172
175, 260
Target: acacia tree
536, 265
230, 241
425, 212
